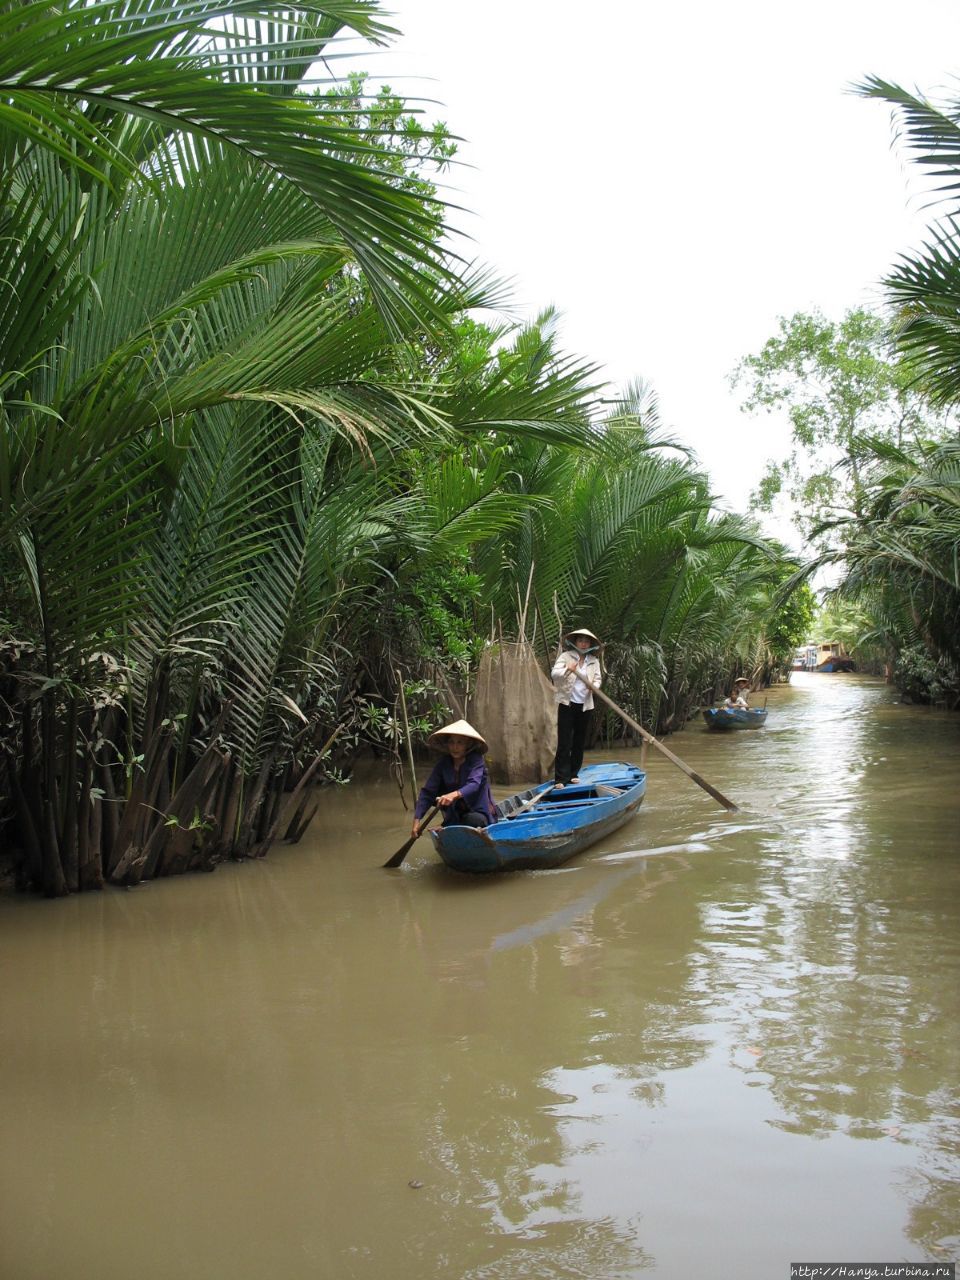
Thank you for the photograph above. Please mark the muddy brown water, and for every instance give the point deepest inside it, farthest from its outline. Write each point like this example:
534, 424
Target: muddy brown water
713, 1045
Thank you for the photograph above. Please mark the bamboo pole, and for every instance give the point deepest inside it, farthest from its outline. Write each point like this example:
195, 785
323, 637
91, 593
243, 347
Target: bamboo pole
406, 730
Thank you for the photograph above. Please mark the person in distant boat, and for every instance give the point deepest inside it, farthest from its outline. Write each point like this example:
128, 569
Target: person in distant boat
738, 697
459, 783
574, 701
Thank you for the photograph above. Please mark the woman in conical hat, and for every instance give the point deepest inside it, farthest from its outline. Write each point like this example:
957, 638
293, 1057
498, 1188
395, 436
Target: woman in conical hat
572, 637
459, 783
574, 701
459, 729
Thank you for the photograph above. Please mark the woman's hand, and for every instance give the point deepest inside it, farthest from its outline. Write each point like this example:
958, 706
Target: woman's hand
445, 801
415, 829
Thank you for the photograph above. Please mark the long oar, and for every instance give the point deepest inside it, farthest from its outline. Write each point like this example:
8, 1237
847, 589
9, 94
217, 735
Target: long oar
404, 849
648, 737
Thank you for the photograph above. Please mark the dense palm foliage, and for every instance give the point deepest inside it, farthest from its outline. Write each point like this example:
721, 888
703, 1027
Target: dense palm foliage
924, 288
623, 539
899, 549
255, 458
183, 358
901, 560
209, 292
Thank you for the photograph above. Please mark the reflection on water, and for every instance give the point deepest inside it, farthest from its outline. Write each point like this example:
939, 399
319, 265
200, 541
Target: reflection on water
715, 1043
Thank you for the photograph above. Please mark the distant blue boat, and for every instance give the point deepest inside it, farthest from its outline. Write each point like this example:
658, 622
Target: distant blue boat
532, 832
725, 718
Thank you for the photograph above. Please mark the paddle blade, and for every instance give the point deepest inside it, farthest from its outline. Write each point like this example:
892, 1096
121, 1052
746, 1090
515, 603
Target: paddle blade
404, 849
401, 853
712, 791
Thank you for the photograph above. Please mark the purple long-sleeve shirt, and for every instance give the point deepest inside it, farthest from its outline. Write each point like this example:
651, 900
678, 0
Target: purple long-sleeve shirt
470, 780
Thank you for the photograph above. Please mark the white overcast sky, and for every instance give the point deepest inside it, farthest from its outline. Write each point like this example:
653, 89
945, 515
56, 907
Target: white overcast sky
675, 176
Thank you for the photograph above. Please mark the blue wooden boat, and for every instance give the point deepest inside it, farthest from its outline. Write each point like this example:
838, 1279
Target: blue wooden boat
532, 832
725, 718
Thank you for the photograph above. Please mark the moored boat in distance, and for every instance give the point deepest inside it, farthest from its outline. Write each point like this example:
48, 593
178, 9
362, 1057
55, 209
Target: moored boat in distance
726, 718
545, 826
828, 655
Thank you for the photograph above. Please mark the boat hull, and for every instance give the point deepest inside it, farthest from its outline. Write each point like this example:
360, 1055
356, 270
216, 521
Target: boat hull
724, 719
549, 832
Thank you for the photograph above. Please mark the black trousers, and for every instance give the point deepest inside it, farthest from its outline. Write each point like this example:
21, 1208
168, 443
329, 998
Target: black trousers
457, 814
572, 722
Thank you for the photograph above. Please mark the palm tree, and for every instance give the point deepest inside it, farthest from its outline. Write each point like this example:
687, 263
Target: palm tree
901, 562
900, 558
214, 293
622, 537
103, 87
180, 357
240, 406
924, 288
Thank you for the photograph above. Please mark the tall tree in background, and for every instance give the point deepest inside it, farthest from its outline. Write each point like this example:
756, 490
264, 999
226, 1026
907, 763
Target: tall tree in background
837, 382
900, 560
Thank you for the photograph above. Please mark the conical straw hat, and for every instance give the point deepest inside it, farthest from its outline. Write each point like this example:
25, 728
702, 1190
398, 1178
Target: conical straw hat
582, 631
461, 729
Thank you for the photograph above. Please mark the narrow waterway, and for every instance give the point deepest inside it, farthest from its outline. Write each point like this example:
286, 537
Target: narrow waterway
714, 1045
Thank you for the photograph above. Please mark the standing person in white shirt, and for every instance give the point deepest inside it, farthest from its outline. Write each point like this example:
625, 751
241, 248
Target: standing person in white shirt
574, 701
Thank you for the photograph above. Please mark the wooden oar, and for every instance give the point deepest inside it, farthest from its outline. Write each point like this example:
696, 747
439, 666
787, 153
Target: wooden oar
528, 804
648, 737
404, 849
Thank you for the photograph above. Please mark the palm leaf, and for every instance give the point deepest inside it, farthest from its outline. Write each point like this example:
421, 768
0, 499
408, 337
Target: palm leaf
932, 135
177, 69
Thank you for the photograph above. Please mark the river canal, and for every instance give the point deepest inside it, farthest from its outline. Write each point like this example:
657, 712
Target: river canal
714, 1045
